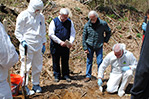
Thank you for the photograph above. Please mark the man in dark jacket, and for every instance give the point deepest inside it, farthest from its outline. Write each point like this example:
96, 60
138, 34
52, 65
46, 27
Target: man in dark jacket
140, 89
95, 33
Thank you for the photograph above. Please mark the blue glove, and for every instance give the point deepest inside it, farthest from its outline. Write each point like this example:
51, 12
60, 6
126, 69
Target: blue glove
125, 68
24, 43
43, 49
144, 26
99, 82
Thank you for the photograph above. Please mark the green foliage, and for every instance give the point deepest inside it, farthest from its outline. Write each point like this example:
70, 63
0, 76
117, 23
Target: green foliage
123, 19
138, 35
78, 9
108, 21
112, 16
119, 27
133, 5
133, 9
104, 54
47, 36
49, 20
121, 36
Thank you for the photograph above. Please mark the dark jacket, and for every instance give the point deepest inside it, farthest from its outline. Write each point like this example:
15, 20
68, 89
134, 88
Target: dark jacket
140, 89
62, 31
93, 34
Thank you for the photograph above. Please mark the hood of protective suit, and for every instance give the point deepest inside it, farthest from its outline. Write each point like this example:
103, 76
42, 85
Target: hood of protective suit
35, 5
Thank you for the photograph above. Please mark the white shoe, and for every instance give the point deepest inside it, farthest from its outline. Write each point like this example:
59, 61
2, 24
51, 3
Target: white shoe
31, 92
37, 89
121, 93
28, 91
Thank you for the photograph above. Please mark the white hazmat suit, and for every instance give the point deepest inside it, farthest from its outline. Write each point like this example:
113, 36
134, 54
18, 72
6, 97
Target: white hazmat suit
117, 76
8, 57
30, 26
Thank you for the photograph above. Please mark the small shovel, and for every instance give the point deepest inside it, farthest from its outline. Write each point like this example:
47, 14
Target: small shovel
25, 73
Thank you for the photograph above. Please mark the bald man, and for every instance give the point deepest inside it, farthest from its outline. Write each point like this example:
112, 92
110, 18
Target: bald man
122, 63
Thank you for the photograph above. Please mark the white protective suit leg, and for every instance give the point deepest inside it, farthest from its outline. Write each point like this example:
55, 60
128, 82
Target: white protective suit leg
5, 91
29, 62
127, 76
36, 67
113, 82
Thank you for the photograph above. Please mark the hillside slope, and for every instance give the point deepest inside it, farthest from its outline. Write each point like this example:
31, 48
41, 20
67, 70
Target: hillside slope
124, 30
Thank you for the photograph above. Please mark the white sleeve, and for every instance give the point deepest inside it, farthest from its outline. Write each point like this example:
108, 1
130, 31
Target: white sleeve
52, 33
19, 30
44, 30
133, 62
73, 32
8, 54
105, 63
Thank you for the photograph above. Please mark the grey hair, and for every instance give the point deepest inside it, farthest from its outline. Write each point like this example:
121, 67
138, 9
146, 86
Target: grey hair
64, 11
120, 46
92, 13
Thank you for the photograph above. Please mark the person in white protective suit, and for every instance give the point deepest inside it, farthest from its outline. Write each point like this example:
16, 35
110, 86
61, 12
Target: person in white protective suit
8, 57
31, 31
123, 63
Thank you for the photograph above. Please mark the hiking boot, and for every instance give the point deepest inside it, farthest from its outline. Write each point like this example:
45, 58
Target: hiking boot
29, 92
67, 78
37, 88
87, 79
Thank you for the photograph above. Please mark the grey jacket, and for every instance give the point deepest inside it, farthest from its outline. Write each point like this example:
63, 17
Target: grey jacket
93, 35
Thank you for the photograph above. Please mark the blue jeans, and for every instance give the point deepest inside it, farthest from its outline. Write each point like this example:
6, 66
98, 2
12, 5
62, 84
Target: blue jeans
99, 56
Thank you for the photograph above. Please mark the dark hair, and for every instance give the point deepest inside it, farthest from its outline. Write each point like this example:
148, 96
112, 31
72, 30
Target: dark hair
28, 1
147, 12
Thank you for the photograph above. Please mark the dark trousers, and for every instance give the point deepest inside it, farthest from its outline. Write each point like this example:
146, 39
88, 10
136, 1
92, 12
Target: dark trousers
140, 89
61, 54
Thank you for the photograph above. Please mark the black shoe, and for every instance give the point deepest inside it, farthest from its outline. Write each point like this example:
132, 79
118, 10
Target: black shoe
56, 80
67, 78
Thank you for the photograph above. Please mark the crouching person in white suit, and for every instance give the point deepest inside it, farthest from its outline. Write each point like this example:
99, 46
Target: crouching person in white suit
123, 63
8, 57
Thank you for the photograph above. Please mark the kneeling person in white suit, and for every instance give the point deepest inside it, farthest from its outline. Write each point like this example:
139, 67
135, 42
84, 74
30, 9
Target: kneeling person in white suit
123, 63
